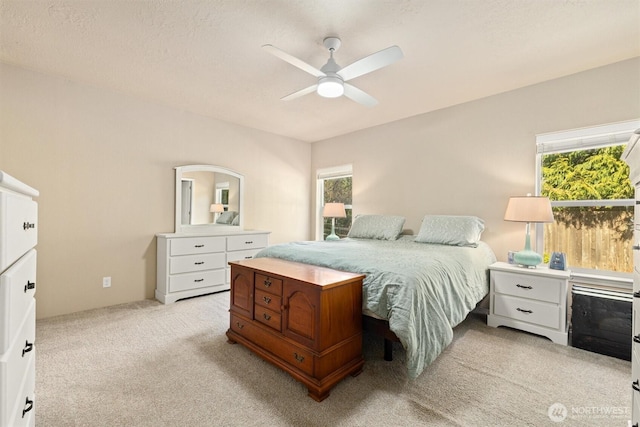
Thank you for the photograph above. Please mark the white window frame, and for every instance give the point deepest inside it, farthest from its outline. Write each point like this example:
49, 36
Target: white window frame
584, 139
335, 172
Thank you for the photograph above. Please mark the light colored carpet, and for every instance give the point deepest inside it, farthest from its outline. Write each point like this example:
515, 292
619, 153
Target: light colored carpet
148, 364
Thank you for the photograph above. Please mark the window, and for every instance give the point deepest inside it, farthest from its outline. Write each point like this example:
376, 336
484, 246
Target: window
591, 196
334, 186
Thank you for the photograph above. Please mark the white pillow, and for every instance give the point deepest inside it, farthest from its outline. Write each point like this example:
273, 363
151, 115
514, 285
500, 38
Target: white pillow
226, 217
451, 230
381, 227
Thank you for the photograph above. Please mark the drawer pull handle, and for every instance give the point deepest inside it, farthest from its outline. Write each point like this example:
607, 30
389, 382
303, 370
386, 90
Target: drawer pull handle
28, 405
266, 316
636, 385
199, 263
636, 247
198, 280
636, 294
636, 339
28, 225
267, 283
248, 257
199, 246
266, 299
523, 287
249, 242
28, 346
29, 285
239, 325
299, 358
524, 311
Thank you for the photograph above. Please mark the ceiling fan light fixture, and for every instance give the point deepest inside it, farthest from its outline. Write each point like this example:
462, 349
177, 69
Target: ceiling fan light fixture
330, 87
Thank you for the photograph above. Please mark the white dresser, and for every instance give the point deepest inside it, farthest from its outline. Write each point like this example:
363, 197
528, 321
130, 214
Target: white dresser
198, 264
18, 237
631, 156
529, 299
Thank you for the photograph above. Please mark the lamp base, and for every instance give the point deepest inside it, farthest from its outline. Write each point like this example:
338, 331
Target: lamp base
527, 258
332, 236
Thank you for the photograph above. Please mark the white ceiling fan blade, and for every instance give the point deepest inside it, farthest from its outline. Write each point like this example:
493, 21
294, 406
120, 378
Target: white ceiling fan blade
359, 96
371, 63
300, 93
293, 60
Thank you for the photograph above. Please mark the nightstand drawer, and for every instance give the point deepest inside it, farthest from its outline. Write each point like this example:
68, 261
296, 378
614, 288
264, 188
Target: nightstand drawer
539, 313
527, 286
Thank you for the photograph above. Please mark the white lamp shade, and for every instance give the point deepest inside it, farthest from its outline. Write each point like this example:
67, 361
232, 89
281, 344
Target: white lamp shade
529, 209
334, 210
330, 87
216, 208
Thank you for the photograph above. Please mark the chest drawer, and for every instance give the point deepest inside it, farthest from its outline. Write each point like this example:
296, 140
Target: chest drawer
17, 287
536, 312
189, 263
18, 227
267, 300
534, 287
15, 364
270, 318
268, 284
247, 241
196, 245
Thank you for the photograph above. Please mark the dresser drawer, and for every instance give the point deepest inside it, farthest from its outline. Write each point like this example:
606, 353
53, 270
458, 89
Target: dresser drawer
239, 255
18, 227
196, 245
17, 287
16, 363
268, 284
536, 312
528, 286
296, 357
23, 412
247, 241
187, 281
189, 263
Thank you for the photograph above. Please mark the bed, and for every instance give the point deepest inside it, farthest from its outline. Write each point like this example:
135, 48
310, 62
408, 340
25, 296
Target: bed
422, 285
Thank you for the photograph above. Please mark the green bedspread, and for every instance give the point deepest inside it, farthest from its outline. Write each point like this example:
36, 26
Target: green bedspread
423, 290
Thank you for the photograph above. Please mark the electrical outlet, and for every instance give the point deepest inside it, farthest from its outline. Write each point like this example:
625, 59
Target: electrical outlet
106, 282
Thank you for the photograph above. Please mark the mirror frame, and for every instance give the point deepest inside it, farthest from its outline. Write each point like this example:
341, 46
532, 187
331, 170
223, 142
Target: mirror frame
206, 228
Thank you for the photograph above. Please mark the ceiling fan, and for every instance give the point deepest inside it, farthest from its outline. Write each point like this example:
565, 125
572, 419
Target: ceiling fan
332, 79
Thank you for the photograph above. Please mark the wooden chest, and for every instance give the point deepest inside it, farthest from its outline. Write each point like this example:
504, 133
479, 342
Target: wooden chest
305, 319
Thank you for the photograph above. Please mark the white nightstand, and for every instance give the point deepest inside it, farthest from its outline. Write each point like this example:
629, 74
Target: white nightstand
529, 299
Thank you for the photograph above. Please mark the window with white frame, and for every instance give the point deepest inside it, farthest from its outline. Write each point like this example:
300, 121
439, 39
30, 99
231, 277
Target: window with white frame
591, 196
334, 186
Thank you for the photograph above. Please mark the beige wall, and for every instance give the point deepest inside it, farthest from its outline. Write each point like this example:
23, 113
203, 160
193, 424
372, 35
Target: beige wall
468, 159
103, 163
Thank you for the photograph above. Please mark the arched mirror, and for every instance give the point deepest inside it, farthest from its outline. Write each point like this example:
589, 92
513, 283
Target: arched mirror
208, 198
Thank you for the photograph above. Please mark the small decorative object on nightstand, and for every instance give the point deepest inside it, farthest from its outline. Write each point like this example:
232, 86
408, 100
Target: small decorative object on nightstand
333, 211
528, 209
532, 300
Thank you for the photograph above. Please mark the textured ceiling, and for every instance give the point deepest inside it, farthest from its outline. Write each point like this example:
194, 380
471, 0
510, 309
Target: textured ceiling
206, 56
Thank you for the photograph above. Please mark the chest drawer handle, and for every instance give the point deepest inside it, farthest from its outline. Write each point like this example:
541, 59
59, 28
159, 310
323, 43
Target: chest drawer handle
636, 385
524, 311
299, 358
249, 242
636, 294
239, 325
523, 287
199, 263
28, 405
266, 299
199, 246
29, 285
636, 247
198, 280
636, 339
266, 316
267, 283
28, 346
28, 225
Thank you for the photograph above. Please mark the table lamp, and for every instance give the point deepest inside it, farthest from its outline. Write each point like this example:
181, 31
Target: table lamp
333, 211
528, 209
